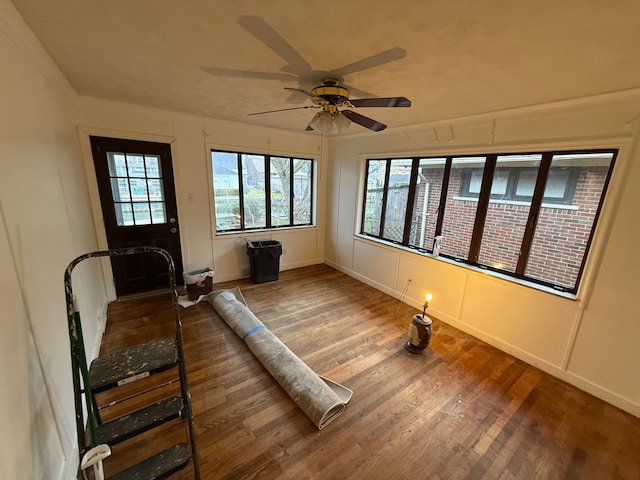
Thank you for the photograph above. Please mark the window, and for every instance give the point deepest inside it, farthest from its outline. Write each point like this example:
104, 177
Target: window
136, 186
254, 191
517, 184
530, 215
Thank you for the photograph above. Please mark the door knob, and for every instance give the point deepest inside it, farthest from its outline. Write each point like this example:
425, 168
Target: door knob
173, 230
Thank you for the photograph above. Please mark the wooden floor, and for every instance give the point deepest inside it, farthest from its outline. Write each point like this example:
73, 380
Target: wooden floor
460, 410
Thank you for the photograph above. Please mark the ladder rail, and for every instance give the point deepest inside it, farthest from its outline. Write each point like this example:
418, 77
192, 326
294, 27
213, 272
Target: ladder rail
78, 354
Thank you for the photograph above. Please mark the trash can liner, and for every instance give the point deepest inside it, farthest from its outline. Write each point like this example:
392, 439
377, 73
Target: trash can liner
321, 399
197, 276
198, 282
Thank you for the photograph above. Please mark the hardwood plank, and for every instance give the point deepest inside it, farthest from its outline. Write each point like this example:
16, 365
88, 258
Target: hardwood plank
462, 409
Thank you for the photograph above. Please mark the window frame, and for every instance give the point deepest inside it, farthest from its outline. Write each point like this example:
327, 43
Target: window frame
267, 189
537, 201
510, 194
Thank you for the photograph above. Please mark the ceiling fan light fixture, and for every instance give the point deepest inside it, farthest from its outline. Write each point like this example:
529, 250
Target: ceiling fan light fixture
329, 122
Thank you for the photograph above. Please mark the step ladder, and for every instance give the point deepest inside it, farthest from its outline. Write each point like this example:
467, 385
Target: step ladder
113, 371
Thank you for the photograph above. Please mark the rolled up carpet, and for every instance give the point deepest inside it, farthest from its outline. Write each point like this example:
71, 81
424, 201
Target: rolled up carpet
321, 399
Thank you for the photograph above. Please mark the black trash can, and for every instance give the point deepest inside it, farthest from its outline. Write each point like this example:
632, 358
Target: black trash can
264, 257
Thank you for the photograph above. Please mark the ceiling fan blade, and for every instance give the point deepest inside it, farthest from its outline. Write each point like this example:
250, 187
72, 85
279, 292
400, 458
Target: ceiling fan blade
366, 122
231, 72
381, 102
316, 99
381, 58
259, 28
282, 110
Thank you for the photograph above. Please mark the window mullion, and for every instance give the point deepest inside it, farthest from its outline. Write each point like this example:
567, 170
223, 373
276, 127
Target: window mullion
240, 191
443, 197
483, 205
267, 190
385, 191
291, 193
534, 210
410, 201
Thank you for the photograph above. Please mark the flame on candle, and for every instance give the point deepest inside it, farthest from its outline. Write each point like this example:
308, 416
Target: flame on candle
428, 298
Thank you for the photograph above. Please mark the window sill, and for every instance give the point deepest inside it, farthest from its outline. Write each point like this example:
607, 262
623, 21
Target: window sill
262, 230
491, 273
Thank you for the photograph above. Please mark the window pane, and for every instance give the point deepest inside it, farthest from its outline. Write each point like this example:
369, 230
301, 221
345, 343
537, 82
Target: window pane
254, 195
226, 190
562, 233
280, 191
526, 183
460, 213
397, 195
155, 190
152, 164
124, 214
158, 213
302, 176
374, 195
505, 223
557, 183
475, 183
426, 203
135, 165
499, 182
141, 213
138, 189
120, 189
117, 164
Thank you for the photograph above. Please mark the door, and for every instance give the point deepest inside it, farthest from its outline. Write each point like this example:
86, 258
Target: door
137, 194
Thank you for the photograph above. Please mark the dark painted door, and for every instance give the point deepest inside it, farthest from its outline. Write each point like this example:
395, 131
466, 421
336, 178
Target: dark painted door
137, 193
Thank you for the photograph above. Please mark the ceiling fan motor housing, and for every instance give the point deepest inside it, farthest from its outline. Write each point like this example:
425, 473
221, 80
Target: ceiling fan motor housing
334, 94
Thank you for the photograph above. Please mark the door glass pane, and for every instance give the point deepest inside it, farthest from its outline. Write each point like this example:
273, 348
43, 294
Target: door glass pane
226, 190
141, 213
135, 165
302, 190
563, 231
460, 213
427, 201
280, 191
154, 188
397, 195
376, 172
158, 213
120, 189
117, 164
254, 195
138, 189
505, 222
124, 214
152, 164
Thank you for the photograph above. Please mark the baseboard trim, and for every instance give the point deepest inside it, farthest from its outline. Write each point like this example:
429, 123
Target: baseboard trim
577, 381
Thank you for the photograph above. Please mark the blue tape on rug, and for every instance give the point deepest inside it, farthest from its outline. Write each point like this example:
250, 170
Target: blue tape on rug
253, 330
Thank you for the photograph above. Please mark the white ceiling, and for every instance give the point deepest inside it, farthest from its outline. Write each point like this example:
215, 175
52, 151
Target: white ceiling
228, 58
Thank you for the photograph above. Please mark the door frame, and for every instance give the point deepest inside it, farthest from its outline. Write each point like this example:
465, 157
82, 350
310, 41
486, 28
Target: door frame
84, 134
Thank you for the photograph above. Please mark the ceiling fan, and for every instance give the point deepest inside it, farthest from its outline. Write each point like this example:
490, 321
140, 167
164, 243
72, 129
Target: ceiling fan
332, 95
336, 113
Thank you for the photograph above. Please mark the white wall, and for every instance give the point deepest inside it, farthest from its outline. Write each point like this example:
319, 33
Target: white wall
192, 139
591, 341
45, 222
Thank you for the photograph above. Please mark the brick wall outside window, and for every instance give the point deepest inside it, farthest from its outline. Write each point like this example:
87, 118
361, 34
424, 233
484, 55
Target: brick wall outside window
561, 235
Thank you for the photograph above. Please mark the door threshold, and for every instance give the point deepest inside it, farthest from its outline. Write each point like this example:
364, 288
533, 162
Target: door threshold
150, 293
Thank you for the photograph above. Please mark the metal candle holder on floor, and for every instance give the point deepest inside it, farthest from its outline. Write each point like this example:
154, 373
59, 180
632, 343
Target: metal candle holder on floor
420, 330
